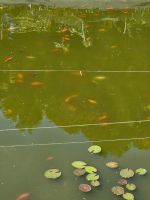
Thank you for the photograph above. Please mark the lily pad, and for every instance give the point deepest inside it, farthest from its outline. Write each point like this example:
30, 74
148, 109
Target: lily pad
94, 149
128, 196
122, 182
131, 186
90, 169
52, 173
117, 190
127, 173
95, 183
79, 172
141, 171
112, 165
85, 188
92, 177
79, 164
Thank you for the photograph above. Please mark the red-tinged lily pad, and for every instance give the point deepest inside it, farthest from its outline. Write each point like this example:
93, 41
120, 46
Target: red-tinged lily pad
79, 172
122, 182
85, 188
112, 165
117, 190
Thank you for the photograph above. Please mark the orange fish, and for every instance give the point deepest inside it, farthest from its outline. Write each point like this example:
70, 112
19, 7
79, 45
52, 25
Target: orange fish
20, 75
66, 37
23, 196
103, 117
37, 83
67, 99
8, 59
114, 46
64, 30
50, 158
92, 101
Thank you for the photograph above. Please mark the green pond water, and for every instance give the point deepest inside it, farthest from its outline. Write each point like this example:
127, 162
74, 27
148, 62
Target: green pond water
85, 75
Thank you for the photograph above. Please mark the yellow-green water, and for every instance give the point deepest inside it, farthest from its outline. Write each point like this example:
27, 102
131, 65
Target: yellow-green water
80, 73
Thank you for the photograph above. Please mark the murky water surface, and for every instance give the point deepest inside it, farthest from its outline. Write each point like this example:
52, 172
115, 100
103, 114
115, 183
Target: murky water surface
70, 78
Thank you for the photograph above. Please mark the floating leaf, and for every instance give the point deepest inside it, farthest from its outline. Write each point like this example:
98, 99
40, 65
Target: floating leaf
79, 164
141, 171
92, 177
112, 165
52, 173
94, 149
95, 183
131, 186
128, 196
122, 182
85, 188
90, 169
117, 190
127, 173
79, 172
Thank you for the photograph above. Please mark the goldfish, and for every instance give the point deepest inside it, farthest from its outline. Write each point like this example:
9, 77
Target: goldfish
30, 57
99, 77
114, 46
8, 59
50, 158
23, 196
20, 75
37, 83
81, 73
66, 37
102, 30
67, 99
92, 101
64, 30
103, 117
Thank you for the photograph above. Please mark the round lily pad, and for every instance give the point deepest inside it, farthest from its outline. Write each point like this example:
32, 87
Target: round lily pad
122, 182
95, 183
79, 172
131, 186
79, 164
127, 173
117, 190
92, 177
52, 173
94, 149
90, 169
112, 165
85, 188
128, 196
141, 171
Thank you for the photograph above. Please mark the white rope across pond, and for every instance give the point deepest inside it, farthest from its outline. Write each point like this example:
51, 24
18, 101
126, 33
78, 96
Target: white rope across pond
75, 125
73, 142
75, 70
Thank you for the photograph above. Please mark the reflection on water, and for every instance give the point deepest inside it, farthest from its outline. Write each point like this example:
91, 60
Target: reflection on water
69, 98
74, 38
